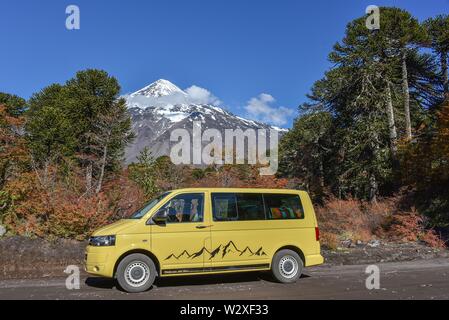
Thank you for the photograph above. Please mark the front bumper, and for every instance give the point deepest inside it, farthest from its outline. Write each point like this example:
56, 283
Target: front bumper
98, 261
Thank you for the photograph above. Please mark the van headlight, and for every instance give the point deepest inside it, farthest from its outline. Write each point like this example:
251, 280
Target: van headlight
102, 241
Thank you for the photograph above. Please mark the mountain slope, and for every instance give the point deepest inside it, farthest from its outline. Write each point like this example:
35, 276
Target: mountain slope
162, 107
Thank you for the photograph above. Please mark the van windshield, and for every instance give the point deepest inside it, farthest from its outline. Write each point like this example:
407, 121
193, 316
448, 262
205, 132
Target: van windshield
147, 207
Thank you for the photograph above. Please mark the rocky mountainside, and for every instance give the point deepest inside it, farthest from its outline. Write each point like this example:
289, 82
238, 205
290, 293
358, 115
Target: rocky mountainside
162, 107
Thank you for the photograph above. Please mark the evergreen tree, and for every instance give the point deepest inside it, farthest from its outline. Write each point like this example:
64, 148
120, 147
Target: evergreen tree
85, 120
15, 105
113, 133
374, 73
438, 31
305, 149
402, 34
50, 133
100, 121
144, 174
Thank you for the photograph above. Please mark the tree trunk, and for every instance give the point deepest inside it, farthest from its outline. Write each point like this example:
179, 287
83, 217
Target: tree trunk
89, 178
321, 174
406, 90
443, 58
103, 165
373, 185
391, 124
321, 178
373, 188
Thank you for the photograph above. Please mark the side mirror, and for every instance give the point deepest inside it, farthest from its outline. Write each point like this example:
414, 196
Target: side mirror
160, 217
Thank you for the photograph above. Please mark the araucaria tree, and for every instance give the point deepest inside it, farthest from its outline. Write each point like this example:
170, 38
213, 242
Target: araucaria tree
438, 33
83, 121
379, 89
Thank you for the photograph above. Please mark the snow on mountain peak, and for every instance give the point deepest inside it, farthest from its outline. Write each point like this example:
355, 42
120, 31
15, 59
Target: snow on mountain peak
165, 100
159, 88
162, 107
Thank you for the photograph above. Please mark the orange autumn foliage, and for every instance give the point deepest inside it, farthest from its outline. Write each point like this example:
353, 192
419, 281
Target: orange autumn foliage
351, 219
355, 220
410, 226
12, 145
238, 176
51, 203
63, 213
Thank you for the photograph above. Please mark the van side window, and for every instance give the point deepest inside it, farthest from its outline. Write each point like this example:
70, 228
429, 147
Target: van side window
283, 206
224, 207
237, 207
250, 206
185, 208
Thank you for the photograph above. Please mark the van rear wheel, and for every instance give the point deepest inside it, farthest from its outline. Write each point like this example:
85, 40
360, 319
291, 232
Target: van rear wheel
136, 273
286, 266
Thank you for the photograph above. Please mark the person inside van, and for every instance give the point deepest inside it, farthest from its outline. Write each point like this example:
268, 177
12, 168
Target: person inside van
188, 209
194, 212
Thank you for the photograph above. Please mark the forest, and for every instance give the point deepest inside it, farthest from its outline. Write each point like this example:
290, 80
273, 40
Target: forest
370, 144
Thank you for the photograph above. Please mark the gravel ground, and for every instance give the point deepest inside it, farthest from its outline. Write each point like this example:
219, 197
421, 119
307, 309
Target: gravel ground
24, 258
421, 279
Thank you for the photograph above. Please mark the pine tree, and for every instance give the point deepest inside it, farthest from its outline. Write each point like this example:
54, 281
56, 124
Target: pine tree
15, 105
402, 34
305, 149
113, 133
144, 174
49, 131
93, 106
438, 31
362, 93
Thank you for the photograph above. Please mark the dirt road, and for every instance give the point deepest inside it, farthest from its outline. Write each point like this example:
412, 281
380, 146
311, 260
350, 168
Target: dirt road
424, 279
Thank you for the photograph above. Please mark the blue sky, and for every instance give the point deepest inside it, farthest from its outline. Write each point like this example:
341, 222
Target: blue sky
236, 49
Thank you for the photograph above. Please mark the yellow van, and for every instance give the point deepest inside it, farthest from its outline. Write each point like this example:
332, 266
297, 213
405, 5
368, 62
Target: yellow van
198, 231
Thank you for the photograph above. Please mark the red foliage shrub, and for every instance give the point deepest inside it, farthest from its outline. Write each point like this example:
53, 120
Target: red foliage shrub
124, 195
47, 203
238, 176
432, 239
360, 220
64, 213
351, 219
410, 226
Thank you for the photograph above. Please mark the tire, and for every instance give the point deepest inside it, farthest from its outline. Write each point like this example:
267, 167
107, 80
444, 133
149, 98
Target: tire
136, 273
287, 266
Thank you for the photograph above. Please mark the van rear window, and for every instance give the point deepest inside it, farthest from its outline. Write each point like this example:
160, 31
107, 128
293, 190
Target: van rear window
256, 206
283, 206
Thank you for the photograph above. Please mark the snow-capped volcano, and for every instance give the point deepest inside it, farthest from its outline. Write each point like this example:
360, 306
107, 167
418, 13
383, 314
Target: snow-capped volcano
161, 107
159, 88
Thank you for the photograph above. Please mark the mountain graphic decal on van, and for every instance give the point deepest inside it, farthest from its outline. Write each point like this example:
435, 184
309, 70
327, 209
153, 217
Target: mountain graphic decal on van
223, 251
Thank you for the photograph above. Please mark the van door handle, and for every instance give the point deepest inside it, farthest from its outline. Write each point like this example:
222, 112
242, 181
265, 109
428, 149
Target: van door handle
203, 227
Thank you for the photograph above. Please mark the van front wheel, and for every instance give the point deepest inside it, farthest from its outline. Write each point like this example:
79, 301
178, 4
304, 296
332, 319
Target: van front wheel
286, 266
136, 273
